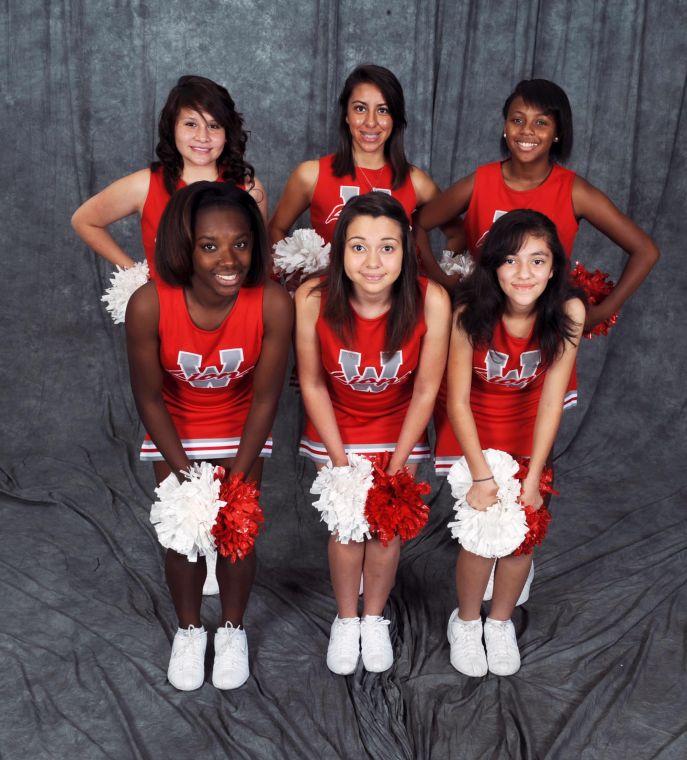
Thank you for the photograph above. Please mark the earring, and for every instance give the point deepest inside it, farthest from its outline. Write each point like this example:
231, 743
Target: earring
555, 139
504, 135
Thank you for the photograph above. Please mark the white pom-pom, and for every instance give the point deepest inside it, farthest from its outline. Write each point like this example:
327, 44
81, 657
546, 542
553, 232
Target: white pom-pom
456, 263
185, 512
500, 529
124, 283
343, 493
305, 251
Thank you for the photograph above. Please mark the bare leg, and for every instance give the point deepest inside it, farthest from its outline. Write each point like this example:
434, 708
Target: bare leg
345, 567
185, 580
379, 572
472, 575
511, 574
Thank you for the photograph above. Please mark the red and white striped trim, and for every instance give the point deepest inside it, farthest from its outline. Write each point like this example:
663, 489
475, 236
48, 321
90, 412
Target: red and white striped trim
203, 448
318, 453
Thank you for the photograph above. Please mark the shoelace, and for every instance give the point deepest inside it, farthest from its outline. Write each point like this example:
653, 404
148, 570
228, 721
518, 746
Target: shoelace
230, 642
345, 630
189, 639
376, 635
468, 642
501, 629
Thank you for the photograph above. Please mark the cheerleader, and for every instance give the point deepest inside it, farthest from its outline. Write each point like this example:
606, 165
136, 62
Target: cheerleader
515, 335
370, 156
201, 137
537, 135
371, 342
207, 344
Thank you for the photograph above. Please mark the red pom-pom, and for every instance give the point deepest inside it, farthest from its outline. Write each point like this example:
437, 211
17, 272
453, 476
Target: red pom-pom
237, 522
537, 519
394, 505
597, 286
537, 526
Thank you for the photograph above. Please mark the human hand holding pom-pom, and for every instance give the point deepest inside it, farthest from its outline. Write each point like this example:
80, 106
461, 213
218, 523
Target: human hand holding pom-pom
237, 522
597, 285
537, 519
394, 505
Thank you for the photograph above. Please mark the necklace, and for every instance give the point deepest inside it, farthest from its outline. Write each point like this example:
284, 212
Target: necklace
366, 178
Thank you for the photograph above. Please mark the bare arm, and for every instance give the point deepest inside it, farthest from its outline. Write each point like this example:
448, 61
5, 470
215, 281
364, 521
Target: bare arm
268, 376
550, 409
122, 198
257, 190
591, 204
430, 370
316, 399
146, 373
294, 200
427, 190
444, 208
483, 494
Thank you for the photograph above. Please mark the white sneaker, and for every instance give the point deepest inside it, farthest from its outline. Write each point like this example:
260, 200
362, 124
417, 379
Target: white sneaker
344, 646
503, 654
378, 654
467, 652
524, 594
186, 670
211, 587
231, 658
361, 588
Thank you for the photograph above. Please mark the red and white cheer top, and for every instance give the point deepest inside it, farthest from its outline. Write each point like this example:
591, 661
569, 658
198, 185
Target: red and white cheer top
492, 198
507, 382
370, 392
208, 374
331, 193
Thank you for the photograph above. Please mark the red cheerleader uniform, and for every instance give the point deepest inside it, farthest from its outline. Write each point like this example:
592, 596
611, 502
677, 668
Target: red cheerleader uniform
331, 193
208, 380
492, 198
507, 382
370, 396
153, 208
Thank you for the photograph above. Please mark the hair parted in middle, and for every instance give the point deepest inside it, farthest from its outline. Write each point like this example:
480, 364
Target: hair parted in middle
202, 95
394, 149
482, 302
176, 233
552, 100
406, 296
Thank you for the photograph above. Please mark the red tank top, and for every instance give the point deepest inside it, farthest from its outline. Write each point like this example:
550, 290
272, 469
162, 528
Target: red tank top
153, 208
331, 193
208, 374
491, 198
370, 395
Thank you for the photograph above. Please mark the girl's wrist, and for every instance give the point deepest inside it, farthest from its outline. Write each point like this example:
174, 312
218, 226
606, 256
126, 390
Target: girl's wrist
483, 480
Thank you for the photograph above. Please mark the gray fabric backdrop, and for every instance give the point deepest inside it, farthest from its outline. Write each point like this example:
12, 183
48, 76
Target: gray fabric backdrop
86, 620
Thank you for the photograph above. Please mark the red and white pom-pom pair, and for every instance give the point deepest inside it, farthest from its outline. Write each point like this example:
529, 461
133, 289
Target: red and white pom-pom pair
207, 512
361, 500
507, 527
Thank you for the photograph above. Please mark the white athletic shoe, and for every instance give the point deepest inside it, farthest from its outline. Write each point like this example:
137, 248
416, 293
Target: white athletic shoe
378, 654
344, 646
231, 658
361, 588
503, 654
467, 651
524, 594
211, 587
186, 670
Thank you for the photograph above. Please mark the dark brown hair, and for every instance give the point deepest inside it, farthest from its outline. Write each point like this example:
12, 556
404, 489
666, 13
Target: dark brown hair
202, 95
176, 233
394, 150
552, 100
484, 301
405, 292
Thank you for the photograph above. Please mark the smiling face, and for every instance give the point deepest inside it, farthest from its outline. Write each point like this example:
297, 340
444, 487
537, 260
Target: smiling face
524, 275
199, 137
529, 132
373, 255
221, 252
368, 119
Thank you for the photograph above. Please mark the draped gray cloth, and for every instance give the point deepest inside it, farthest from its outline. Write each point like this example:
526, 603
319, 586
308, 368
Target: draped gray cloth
86, 618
